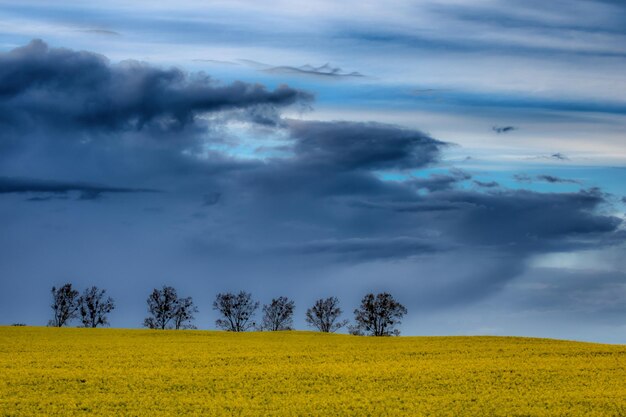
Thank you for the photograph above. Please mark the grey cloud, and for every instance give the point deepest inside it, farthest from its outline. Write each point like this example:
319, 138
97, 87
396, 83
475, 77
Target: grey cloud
439, 182
323, 203
412, 206
47, 198
513, 222
559, 156
503, 129
323, 71
263, 115
588, 294
522, 178
10, 185
553, 179
90, 195
507, 21
351, 146
544, 178
215, 61
82, 89
339, 160
105, 32
486, 184
518, 222
556, 156
211, 199
508, 17
426, 91
527, 221
366, 249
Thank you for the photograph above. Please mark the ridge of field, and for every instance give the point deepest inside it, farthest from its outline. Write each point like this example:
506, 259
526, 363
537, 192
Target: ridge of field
70, 371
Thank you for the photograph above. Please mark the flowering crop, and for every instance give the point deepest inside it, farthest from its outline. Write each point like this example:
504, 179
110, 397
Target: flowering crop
46, 371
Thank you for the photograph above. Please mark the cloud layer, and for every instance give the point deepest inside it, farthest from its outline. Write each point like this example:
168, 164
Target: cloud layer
245, 196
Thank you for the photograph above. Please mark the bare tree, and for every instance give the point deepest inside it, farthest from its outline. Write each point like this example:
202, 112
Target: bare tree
378, 315
183, 313
64, 305
167, 310
94, 307
237, 311
324, 315
278, 315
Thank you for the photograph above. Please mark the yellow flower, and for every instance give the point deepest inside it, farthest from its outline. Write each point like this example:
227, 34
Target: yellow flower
49, 371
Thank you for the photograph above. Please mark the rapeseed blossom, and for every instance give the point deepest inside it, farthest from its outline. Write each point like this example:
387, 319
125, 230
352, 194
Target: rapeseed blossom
46, 371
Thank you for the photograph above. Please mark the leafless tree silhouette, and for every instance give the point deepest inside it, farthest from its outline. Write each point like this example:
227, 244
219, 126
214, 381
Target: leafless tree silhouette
168, 311
378, 315
324, 315
64, 305
237, 311
94, 306
278, 315
184, 313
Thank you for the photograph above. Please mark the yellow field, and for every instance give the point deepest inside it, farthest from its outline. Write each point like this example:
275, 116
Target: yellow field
45, 371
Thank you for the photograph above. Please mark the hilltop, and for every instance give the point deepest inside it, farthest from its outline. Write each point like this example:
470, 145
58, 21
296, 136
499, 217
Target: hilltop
68, 371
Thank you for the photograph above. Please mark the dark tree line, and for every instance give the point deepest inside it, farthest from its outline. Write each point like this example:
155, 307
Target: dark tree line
168, 311
324, 315
278, 315
237, 311
377, 315
92, 307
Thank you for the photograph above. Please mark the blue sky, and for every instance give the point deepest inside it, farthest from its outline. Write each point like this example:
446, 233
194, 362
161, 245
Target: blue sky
319, 149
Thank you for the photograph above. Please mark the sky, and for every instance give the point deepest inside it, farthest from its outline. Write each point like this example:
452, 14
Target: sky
467, 157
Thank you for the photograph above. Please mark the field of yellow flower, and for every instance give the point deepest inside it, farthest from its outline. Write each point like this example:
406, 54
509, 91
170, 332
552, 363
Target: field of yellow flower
49, 371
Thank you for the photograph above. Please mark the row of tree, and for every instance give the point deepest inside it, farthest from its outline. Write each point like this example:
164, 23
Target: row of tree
377, 315
92, 307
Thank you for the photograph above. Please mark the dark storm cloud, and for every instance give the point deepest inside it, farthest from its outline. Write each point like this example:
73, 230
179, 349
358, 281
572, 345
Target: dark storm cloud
440, 182
412, 206
82, 89
366, 249
88, 191
367, 146
514, 221
263, 115
48, 197
332, 168
341, 159
324, 201
528, 221
590, 295
486, 184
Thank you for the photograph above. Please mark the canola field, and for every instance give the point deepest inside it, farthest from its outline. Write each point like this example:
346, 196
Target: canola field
115, 372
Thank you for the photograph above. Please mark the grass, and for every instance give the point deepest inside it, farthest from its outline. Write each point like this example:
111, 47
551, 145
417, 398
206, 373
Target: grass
47, 371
